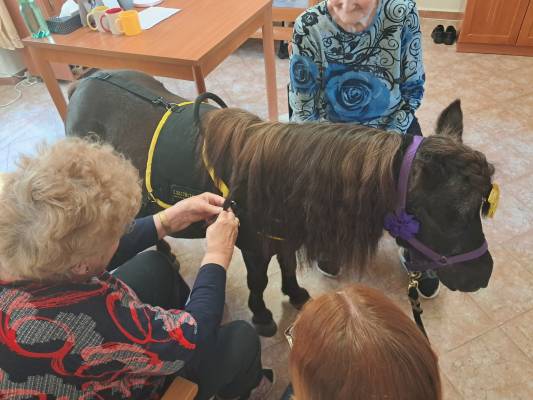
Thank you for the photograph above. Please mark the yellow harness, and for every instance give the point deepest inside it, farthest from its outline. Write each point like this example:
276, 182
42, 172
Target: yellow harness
219, 183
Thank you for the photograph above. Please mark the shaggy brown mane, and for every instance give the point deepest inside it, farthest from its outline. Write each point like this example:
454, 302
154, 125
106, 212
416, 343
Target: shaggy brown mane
326, 186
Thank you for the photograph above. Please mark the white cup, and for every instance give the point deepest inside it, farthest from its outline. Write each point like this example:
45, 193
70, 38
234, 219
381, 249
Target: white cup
93, 18
108, 20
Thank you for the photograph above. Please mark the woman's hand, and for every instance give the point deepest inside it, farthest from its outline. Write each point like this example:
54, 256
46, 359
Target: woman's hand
220, 238
204, 206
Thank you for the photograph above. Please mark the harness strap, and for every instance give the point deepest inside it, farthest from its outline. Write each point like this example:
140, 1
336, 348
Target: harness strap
151, 150
199, 100
416, 308
132, 88
217, 181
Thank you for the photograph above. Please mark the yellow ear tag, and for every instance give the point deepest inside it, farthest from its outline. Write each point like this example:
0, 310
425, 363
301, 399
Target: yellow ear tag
493, 200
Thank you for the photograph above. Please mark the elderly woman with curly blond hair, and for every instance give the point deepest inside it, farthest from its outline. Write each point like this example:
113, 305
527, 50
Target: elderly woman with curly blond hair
70, 329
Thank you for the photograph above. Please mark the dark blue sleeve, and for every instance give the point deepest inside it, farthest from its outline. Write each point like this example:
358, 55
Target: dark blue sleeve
206, 302
142, 236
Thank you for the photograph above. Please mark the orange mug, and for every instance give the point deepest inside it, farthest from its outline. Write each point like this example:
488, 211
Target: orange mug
128, 23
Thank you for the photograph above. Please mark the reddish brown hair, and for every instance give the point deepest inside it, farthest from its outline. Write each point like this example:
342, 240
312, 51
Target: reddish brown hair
357, 344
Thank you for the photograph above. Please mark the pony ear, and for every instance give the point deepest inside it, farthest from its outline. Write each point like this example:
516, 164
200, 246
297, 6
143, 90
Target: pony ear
450, 121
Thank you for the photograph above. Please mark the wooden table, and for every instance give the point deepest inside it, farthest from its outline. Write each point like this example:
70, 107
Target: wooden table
188, 45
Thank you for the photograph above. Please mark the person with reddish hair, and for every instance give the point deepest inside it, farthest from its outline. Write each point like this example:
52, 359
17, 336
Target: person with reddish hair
355, 344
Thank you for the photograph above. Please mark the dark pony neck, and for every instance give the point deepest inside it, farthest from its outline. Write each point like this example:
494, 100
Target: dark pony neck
324, 186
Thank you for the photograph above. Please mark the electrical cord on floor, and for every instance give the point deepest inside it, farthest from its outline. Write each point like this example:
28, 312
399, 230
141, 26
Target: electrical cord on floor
27, 82
24, 74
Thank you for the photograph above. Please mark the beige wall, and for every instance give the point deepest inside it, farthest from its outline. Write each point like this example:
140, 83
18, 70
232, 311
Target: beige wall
441, 5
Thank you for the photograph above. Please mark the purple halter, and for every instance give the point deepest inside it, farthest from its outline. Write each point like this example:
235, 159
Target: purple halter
406, 226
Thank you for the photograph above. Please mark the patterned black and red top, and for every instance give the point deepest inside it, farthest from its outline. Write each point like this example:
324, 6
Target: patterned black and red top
97, 340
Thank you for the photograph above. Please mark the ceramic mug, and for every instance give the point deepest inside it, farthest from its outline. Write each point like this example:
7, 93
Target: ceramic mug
128, 23
108, 20
93, 18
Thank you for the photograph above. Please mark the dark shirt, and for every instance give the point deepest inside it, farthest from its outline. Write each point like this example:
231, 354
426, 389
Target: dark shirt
97, 340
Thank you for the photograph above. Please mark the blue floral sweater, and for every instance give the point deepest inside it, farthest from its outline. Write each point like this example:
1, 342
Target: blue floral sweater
374, 77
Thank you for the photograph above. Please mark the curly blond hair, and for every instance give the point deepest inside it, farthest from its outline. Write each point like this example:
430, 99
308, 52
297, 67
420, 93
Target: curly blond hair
68, 203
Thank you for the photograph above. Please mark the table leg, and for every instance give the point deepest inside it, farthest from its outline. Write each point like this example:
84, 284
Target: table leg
199, 79
45, 69
270, 65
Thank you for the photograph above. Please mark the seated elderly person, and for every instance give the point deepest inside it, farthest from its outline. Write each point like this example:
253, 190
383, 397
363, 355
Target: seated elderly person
69, 329
360, 61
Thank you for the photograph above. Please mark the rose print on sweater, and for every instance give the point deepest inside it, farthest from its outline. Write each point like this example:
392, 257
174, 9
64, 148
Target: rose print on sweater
303, 72
354, 96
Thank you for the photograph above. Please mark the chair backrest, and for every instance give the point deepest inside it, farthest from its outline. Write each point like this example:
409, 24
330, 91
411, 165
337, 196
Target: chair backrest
181, 389
286, 15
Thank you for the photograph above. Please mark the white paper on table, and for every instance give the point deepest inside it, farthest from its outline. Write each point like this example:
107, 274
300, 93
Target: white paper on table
154, 15
69, 8
146, 3
291, 3
111, 3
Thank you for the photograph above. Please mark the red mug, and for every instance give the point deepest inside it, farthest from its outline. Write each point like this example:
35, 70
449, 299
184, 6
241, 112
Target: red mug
108, 20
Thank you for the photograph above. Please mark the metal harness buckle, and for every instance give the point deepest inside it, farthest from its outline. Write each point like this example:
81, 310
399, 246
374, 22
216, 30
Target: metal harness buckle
411, 289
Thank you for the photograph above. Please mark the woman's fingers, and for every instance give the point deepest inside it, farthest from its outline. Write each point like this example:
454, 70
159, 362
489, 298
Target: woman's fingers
213, 199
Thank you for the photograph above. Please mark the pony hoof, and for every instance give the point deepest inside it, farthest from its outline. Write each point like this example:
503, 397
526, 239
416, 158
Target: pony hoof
300, 298
268, 329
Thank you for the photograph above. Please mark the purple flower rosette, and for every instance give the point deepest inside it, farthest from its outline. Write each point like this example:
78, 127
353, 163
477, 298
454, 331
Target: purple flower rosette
401, 224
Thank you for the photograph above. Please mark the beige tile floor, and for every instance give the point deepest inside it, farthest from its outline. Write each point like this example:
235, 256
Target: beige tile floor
485, 339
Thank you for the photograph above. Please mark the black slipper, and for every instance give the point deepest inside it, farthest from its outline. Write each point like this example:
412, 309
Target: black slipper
438, 34
450, 35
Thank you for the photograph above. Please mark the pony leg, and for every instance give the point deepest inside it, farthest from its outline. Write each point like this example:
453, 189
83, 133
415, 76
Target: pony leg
257, 279
298, 296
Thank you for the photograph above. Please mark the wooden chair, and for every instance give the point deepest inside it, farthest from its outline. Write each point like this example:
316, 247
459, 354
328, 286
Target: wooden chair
181, 389
286, 16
